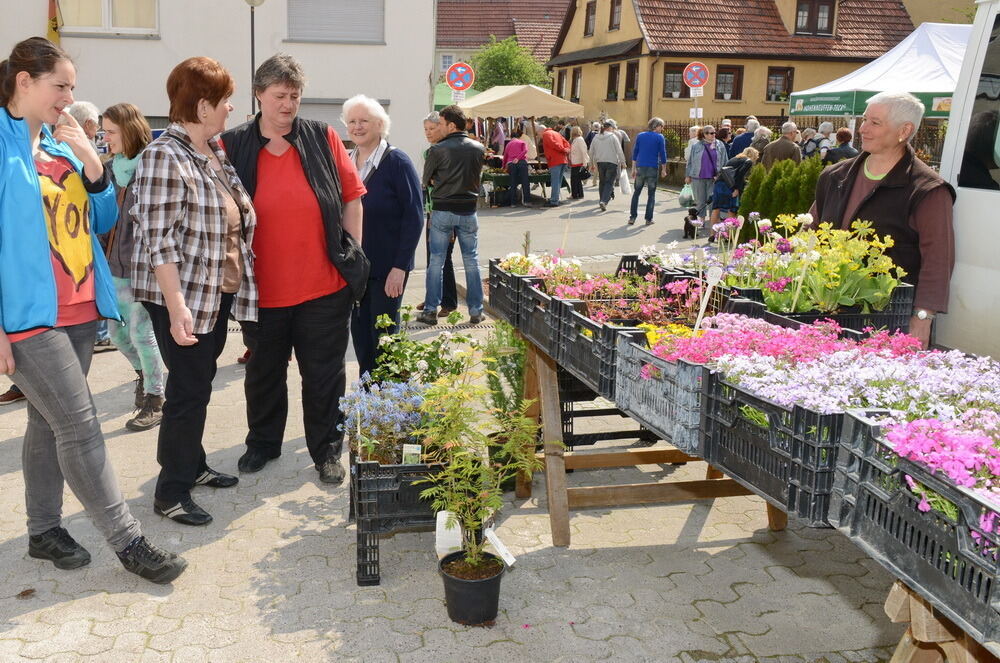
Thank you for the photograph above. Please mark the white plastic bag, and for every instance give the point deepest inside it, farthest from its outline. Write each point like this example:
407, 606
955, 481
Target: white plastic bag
624, 183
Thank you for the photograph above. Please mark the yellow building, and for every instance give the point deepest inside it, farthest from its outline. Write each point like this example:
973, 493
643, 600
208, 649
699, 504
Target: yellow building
625, 58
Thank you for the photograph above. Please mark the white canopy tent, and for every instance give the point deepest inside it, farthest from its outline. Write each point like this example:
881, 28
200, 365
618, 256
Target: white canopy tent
926, 64
518, 100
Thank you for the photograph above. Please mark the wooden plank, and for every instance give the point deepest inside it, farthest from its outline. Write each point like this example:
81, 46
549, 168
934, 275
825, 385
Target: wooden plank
629, 458
897, 603
522, 488
650, 493
555, 464
910, 650
777, 520
928, 626
713, 473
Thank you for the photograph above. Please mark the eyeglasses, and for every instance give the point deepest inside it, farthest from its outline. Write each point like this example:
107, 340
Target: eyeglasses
709, 133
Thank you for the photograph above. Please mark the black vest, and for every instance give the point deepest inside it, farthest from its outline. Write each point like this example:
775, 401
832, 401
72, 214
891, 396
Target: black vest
243, 145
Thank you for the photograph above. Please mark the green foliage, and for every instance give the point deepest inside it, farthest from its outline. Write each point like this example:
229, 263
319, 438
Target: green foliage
751, 194
402, 358
507, 63
675, 146
788, 188
503, 353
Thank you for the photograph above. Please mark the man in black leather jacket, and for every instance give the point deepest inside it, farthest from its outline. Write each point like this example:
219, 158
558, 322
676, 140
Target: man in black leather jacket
454, 169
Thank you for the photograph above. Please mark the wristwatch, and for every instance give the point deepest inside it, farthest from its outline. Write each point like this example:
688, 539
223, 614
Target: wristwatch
923, 314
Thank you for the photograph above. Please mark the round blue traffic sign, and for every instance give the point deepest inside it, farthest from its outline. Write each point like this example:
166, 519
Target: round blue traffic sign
695, 74
460, 76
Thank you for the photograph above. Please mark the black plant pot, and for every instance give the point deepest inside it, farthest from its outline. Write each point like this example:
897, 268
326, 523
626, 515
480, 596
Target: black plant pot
471, 602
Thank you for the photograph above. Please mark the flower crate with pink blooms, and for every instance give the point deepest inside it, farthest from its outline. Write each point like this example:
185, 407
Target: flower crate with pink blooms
921, 498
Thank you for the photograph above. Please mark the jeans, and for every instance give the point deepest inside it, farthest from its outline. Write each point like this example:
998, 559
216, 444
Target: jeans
318, 331
647, 177
608, 173
443, 226
518, 177
136, 340
449, 292
364, 333
179, 448
576, 181
556, 174
702, 188
63, 440
102, 331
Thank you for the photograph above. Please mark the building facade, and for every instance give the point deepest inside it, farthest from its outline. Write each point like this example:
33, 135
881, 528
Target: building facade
124, 51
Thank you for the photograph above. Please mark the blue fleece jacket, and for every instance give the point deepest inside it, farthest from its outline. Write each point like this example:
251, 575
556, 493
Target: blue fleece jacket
649, 150
27, 283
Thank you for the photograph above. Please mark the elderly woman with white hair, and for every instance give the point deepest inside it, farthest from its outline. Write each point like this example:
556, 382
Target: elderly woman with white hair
393, 221
901, 196
309, 265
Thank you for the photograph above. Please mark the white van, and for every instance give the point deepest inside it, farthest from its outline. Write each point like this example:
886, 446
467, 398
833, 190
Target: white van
971, 162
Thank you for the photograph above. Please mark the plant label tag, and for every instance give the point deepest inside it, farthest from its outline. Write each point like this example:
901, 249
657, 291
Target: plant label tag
501, 549
446, 539
411, 454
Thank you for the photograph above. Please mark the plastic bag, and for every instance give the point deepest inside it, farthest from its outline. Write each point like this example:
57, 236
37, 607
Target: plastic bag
686, 197
624, 183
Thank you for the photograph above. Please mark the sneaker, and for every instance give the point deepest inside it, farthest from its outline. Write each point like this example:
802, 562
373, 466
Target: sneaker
12, 395
631, 221
475, 319
445, 311
214, 479
140, 390
254, 460
603, 205
149, 415
649, 222
185, 512
154, 564
57, 546
428, 317
331, 471
104, 346
245, 358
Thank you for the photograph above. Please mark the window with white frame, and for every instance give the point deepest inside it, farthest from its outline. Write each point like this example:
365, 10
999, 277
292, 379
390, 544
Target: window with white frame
447, 59
121, 17
337, 21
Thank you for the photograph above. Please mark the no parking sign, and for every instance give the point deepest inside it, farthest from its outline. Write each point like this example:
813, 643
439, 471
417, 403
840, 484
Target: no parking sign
460, 77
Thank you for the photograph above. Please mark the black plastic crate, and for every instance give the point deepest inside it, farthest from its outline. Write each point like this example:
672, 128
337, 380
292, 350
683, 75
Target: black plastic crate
386, 499
537, 318
587, 348
790, 463
895, 316
753, 294
669, 402
504, 292
935, 556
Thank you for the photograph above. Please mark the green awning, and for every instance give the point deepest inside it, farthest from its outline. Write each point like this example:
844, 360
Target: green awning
442, 95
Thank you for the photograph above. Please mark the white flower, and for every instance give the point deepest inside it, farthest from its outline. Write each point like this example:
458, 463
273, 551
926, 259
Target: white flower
805, 219
421, 365
384, 340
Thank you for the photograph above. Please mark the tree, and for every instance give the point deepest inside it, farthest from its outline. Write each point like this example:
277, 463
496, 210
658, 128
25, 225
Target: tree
507, 63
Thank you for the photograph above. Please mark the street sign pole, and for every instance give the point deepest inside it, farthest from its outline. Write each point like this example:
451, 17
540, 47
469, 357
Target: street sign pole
695, 77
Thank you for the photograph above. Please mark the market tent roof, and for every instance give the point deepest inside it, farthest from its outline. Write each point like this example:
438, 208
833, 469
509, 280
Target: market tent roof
926, 64
442, 95
515, 100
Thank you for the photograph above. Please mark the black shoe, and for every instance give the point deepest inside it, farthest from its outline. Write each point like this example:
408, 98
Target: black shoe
57, 546
253, 460
475, 319
331, 471
185, 512
215, 479
154, 564
428, 317
649, 222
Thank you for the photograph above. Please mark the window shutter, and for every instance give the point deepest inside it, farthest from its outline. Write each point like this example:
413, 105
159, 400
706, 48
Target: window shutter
337, 21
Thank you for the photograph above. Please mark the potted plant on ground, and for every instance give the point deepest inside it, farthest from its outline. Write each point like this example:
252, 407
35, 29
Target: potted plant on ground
469, 484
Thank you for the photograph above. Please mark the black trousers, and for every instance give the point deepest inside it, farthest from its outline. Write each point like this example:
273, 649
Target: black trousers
317, 330
449, 292
364, 333
576, 181
179, 448
518, 177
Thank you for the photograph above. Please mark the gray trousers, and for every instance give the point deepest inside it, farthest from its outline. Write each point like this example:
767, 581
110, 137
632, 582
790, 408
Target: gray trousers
702, 188
63, 441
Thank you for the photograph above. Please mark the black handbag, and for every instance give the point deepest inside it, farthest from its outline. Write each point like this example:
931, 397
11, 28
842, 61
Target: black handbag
728, 175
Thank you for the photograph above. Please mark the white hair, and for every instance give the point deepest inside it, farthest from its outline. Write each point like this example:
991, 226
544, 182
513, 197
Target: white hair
808, 132
761, 132
788, 128
826, 128
596, 126
83, 111
752, 125
373, 107
433, 117
903, 107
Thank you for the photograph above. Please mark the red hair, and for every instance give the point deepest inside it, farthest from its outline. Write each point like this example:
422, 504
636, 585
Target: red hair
193, 80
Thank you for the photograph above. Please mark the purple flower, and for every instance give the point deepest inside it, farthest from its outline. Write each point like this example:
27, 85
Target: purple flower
783, 245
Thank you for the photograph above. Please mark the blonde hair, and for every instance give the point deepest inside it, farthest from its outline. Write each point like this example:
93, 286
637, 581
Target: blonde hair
750, 153
576, 131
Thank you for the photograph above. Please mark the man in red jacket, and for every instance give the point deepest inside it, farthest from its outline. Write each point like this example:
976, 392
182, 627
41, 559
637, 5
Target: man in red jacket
556, 150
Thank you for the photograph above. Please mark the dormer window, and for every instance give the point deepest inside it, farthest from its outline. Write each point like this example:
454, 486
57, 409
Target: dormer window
814, 17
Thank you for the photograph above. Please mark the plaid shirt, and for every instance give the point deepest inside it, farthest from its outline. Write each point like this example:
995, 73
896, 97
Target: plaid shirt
180, 218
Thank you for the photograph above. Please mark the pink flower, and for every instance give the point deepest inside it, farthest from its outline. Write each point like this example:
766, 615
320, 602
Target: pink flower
924, 505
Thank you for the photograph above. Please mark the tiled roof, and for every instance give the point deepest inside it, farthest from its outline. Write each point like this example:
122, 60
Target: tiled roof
865, 28
468, 24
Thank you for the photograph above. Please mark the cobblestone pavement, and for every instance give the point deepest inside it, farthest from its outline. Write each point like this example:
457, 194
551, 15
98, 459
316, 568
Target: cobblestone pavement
272, 579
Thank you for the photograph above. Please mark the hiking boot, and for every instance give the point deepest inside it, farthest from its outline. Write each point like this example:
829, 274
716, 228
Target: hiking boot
331, 471
154, 564
428, 317
149, 415
476, 318
12, 395
104, 345
57, 546
140, 390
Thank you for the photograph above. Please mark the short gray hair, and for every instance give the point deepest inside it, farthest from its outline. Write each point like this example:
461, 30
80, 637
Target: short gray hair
613, 123
280, 68
433, 117
373, 107
83, 111
903, 107
788, 128
761, 132
808, 132
655, 123
752, 125
826, 128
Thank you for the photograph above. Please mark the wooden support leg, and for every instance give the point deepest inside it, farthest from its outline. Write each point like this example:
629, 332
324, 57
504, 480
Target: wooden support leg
713, 473
555, 464
523, 485
777, 520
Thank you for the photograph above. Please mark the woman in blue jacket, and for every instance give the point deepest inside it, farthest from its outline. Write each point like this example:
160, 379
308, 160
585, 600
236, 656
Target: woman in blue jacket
393, 223
55, 198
